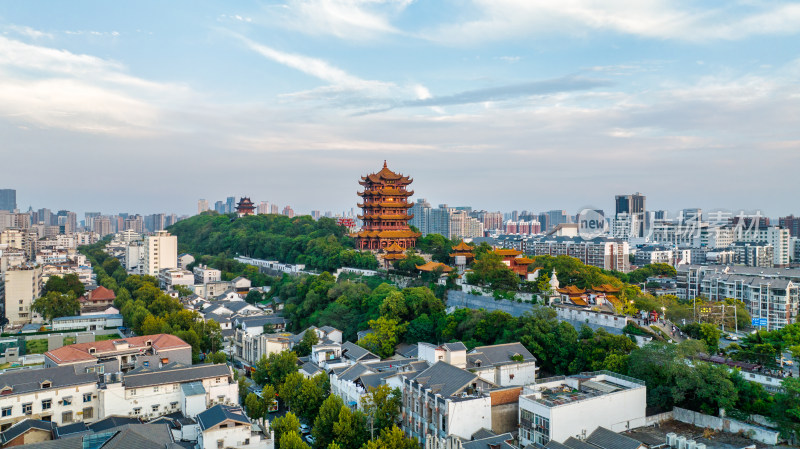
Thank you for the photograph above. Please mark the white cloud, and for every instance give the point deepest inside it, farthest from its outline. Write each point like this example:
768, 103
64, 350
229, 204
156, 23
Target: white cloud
26, 31
345, 19
660, 19
57, 88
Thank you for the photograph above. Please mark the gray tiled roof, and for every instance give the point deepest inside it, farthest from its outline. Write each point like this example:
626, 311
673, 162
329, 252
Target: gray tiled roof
111, 422
173, 373
574, 443
607, 439
445, 379
457, 346
352, 373
555, 445
373, 380
328, 329
131, 436
498, 355
486, 443
70, 429
193, 389
483, 433
23, 426
28, 380
352, 351
221, 413
258, 321
310, 368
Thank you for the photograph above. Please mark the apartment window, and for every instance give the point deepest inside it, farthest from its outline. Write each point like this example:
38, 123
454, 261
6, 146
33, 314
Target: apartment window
155, 407
220, 444
46, 384
66, 417
220, 399
155, 389
133, 392
137, 410
87, 397
219, 380
6, 411
46, 404
246, 441
88, 413
67, 400
26, 408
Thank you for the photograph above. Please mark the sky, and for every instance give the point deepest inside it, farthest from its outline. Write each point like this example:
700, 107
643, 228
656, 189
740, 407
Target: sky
498, 104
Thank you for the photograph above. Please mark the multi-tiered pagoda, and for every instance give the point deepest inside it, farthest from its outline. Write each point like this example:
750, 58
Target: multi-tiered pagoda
245, 207
385, 211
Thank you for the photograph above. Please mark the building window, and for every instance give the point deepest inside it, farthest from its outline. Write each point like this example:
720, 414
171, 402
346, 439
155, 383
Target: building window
46, 384
87, 397
155, 389
155, 407
220, 444
220, 399
66, 417
26, 408
67, 400
88, 413
137, 410
246, 441
6, 411
46, 404
219, 380
133, 392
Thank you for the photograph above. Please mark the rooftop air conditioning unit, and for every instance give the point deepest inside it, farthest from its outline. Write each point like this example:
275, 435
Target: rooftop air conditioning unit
691, 444
681, 442
672, 439
701, 446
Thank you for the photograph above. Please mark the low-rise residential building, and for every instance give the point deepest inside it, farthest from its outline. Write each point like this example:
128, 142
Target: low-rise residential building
225, 426
150, 392
122, 355
98, 299
562, 407
169, 278
91, 322
601, 252
184, 260
205, 275
61, 395
504, 365
23, 284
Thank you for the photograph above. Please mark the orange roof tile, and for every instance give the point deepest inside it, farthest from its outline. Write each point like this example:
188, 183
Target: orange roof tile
101, 294
463, 247
578, 301
433, 266
394, 248
571, 290
523, 261
606, 288
80, 351
507, 252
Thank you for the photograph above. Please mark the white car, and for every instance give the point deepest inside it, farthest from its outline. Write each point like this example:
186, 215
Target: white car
310, 439
304, 429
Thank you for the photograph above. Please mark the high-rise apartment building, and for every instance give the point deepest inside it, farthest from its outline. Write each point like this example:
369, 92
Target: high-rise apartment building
273, 209
791, 223
219, 206
230, 205
8, 199
202, 205
160, 252
288, 211
134, 223
23, 284
101, 226
263, 208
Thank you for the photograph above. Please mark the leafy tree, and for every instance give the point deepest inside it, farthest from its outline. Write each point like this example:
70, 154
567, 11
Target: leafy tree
392, 438
385, 336
292, 440
269, 396
322, 431
285, 424
255, 407
490, 270
710, 335
254, 296
68, 283
382, 406
217, 357
350, 431
310, 338
394, 306
786, 410
55, 304
243, 385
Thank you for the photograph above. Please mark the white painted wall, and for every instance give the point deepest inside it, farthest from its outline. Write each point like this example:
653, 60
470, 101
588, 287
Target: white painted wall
16, 401
465, 417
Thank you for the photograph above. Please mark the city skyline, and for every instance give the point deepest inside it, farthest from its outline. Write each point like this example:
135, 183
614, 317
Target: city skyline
290, 101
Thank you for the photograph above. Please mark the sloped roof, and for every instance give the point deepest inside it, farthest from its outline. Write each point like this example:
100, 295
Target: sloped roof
455, 346
445, 379
574, 443
101, 294
70, 429
489, 442
23, 427
112, 421
433, 266
353, 351
498, 354
80, 351
607, 439
555, 445
353, 372
173, 373
28, 380
219, 414
311, 368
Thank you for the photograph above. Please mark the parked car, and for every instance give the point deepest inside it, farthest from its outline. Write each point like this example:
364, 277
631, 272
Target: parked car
305, 429
310, 439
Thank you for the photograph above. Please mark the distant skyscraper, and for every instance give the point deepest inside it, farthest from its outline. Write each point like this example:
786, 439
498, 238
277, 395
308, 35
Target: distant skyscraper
230, 204
660, 215
791, 223
693, 214
101, 226
8, 199
273, 209
202, 205
67, 221
315, 214
219, 206
288, 211
89, 216
45, 217
263, 208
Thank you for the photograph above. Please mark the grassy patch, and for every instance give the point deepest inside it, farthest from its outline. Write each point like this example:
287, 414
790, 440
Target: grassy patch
69, 341
36, 346
106, 337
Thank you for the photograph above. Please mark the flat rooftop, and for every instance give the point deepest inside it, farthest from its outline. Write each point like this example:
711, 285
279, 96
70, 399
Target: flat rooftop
556, 392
